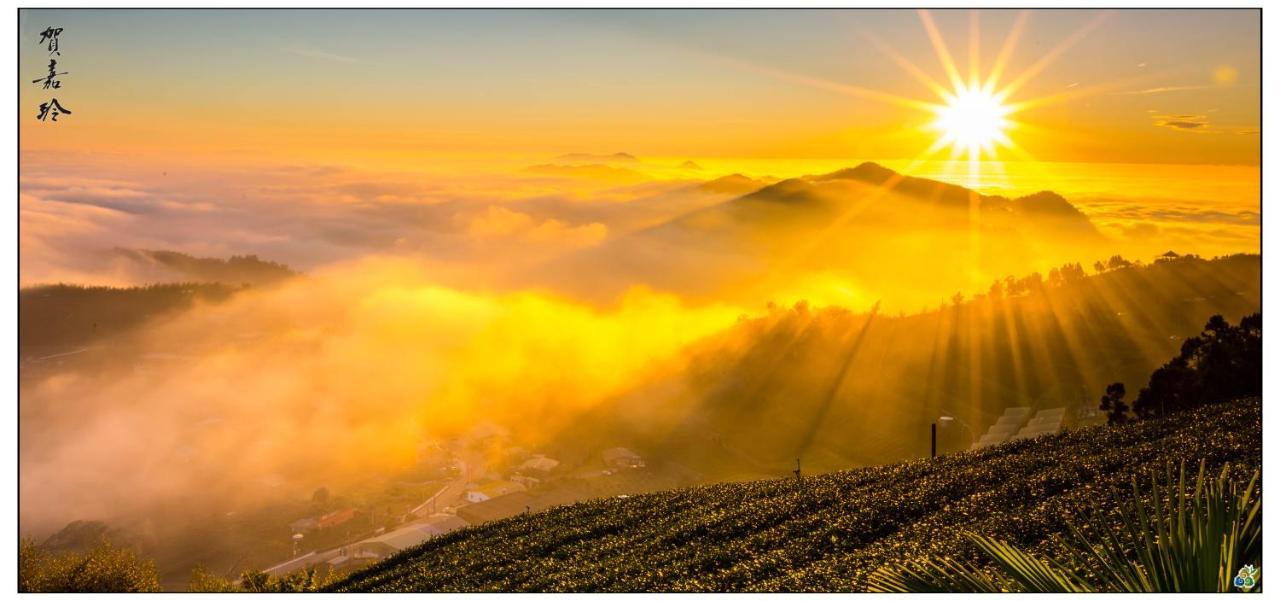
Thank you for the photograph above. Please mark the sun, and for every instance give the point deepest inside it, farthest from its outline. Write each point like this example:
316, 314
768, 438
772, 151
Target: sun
972, 120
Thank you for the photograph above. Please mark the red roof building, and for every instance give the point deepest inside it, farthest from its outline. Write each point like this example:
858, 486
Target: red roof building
335, 518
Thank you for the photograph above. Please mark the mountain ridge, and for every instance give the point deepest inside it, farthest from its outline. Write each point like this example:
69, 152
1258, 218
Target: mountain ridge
1045, 203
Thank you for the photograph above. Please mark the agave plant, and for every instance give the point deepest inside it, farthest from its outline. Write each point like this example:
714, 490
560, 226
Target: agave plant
1186, 543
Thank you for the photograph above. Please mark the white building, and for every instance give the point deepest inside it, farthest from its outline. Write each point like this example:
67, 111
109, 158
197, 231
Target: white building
619, 457
409, 536
539, 463
493, 490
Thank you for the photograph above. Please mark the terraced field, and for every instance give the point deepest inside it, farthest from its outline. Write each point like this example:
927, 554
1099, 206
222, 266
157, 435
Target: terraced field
826, 533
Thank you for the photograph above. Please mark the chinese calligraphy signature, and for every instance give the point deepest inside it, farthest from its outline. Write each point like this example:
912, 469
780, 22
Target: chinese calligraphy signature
50, 110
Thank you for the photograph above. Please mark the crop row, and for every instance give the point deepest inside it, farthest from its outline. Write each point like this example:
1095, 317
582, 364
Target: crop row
823, 533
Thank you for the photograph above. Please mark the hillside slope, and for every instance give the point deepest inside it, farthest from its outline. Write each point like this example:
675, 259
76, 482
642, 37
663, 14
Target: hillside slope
53, 319
829, 532
841, 389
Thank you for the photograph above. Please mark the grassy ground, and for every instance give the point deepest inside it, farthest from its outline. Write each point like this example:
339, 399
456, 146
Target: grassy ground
826, 533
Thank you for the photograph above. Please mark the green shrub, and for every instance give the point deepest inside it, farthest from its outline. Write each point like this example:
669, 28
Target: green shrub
103, 569
302, 581
204, 581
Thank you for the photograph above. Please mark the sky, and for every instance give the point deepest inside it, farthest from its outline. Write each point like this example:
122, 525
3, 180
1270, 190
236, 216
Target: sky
313, 137
395, 86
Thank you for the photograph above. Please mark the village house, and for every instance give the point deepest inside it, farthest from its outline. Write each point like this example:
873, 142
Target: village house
517, 503
303, 525
493, 490
539, 463
335, 518
619, 457
408, 536
525, 481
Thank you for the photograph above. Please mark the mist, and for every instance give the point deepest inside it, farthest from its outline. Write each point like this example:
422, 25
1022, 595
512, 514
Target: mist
327, 379
724, 325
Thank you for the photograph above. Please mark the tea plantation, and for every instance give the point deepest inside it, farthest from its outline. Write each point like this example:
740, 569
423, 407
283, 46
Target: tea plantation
828, 532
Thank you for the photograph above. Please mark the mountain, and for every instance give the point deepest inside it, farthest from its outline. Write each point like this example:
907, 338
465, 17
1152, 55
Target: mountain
1042, 203
886, 192
824, 533
173, 266
857, 235
65, 319
736, 184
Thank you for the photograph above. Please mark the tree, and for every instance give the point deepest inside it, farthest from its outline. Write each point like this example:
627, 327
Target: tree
1167, 389
996, 291
1072, 272
1032, 284
1118, 262
320, 496
204, 581
256, 581
304, 581
1099, 266
1113, 404
1223, 363
103, 569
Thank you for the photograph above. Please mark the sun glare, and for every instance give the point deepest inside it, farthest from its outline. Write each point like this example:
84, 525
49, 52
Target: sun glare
972, 121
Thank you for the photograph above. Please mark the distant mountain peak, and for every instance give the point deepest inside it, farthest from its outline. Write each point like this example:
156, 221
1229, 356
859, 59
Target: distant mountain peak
826, 193
869, 172
1047, 204
735, 183
732, 178
174, 266
1045, 198
874, 174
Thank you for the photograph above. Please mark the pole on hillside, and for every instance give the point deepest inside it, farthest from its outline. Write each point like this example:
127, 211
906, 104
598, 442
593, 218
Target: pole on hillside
933, 440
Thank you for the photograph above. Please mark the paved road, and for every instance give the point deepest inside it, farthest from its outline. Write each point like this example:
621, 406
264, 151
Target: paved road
452, 494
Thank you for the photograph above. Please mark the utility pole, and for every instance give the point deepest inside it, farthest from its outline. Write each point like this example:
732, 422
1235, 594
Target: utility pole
797, 470
933, 440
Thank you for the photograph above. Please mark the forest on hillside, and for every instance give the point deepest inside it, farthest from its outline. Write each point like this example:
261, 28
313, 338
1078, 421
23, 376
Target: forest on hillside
836, 388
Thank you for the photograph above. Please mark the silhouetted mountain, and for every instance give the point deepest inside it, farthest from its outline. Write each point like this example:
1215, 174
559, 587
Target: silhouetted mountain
895, 238
172, 266
735, 184
691, 165
64, 318
917, 187
1042, 209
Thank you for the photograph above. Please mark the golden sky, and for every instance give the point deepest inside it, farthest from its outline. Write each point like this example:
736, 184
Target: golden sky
1137, 86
